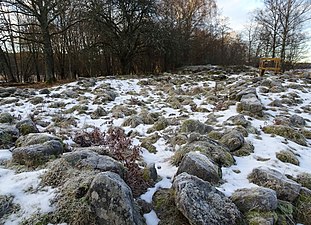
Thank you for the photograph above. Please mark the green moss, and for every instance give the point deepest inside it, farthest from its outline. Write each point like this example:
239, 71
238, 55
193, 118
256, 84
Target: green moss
306, 133
302, 211
79, 108
161, 124
285, 212
6, 118
304, 179
149, 146
286, 132
164, 205
259, 218
25, 129
5, 139
245, 150
287, 157
215, 135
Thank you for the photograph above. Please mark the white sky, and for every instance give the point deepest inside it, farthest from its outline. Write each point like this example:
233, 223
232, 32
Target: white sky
239, 12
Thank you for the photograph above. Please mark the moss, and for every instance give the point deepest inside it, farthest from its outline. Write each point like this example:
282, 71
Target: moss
79, 108
36, 100
287, 157
306, 133
245, 150
260, 218
302, 211
57, 105
6, 139
286, 132
215, 135
6, 118
285, 212
149, 146
161, 124
164, 205
25, 129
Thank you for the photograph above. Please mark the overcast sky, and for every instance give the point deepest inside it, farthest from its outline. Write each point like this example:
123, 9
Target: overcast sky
238, 12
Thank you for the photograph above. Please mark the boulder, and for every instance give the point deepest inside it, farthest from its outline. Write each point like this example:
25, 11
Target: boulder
6, 118
27, 126
132, 121
44, 91
92, 160
99, 112
286, 189
250, 104
233, 140
199, 165
8, 135
112, 201
38, 154
160, 124
246, 91
189, 126
304, 179
201, 203
245, 150
212, 149
257, 198
32, 139
237, 120
297, 121
286, 132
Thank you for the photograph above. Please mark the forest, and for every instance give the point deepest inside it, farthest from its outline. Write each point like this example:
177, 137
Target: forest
49, 40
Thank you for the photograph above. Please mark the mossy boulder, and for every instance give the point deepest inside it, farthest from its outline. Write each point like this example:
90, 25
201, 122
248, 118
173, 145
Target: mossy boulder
287, 157
38, 154
215, 135
6, 118
36, 100
257, 198
246, 149
261, 218
98, 112
120, 111
8, 135
79, 108
306, 133
32, 139
210, 148
189, 126
133, 121
233, 140
286, 189
27, 126
285, 212
238, 120
286, 132
164, 205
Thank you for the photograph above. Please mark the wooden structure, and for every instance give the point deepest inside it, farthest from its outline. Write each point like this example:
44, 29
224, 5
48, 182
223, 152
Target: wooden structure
271, 64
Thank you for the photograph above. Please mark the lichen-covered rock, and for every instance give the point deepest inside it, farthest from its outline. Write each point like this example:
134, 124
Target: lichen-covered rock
302, 211
38, 154
245, 92
189, 126
237, 120
233, 140
257, 198
286, 189
32, 139
287, 157
250, 104
164, 205
212, 149
6, 118
8, 135
201, 203
286, 132
92, 160
112, 201
297, 121
36, 100
199, 165
27, 126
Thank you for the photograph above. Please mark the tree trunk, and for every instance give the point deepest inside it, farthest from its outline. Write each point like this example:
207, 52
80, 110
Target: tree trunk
48, 57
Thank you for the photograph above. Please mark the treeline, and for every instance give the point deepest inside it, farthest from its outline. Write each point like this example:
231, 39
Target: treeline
64, 39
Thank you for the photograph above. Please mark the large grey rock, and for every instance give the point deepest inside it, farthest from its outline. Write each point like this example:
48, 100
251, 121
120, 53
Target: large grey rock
38, 154
92, 160
250, 104
8, 135
246, 91
112, 201
258, 199
233, 140
201, 203
27, 126
199, 165
33, 138
238, 120
189, 126
286, 189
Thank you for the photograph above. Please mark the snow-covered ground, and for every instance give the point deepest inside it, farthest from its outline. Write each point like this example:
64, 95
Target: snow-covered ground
33, 199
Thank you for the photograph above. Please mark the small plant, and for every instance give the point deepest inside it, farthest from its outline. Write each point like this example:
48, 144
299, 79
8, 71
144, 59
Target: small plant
120, 147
